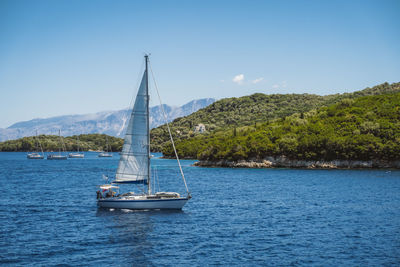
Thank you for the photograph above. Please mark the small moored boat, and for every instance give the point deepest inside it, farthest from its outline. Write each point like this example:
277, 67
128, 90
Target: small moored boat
106, 154
76, 154
36, 155
58, 156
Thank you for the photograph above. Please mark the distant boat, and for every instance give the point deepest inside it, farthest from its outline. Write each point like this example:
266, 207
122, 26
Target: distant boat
36, 155
134, 164
76, 154
106, 154
58, 156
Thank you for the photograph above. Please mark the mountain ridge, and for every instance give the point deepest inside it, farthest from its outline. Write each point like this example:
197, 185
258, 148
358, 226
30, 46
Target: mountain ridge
108, 122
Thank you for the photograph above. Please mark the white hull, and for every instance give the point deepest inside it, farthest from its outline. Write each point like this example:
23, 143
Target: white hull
105, 155
116, 203
34, 156
56, 157
76, 156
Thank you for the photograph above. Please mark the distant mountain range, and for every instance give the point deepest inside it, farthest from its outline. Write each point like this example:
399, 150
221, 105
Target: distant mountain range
108, 122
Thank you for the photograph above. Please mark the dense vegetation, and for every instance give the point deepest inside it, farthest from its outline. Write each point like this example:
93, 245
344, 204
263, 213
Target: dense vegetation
295, 125
52, 143
363, 128
258, 108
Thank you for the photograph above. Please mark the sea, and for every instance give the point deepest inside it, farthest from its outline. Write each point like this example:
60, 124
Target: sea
237, 217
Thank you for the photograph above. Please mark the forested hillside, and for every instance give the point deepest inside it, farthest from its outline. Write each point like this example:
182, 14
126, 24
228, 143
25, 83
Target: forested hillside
52, 143
249, 110
240, 117
363, 128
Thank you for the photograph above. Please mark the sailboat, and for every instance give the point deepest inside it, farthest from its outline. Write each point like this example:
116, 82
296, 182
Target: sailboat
58, 156
134, 164
105, 154
76, 154
36, 155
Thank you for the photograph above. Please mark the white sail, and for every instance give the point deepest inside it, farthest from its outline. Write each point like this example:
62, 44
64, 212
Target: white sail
134, 161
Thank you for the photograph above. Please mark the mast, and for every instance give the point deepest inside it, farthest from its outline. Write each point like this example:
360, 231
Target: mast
36, 143
39, 144
146, 57
59, 137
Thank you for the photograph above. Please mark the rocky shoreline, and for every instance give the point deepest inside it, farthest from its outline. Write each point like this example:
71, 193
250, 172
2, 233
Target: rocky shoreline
283, 162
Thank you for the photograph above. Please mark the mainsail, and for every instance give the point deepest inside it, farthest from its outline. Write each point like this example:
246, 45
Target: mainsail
134, 162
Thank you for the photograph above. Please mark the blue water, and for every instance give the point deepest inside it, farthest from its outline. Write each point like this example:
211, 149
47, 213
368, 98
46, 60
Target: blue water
246, 217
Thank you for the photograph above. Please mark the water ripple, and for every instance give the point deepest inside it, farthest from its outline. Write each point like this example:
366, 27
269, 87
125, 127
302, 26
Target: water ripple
237, 217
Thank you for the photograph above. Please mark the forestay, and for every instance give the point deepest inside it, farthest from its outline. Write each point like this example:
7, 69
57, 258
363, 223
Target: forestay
134, 160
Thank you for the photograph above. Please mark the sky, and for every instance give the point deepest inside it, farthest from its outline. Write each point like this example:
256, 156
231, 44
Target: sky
76, 57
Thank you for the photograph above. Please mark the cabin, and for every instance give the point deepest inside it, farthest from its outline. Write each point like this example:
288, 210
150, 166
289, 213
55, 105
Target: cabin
200, 128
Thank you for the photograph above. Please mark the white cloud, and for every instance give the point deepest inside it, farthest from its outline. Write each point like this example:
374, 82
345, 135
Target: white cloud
257, 80
280, 85
222, 81
238, 79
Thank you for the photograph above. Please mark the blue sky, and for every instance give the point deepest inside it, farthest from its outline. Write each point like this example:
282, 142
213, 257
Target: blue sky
73, 57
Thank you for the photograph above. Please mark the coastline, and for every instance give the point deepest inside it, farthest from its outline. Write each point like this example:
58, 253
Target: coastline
283, 162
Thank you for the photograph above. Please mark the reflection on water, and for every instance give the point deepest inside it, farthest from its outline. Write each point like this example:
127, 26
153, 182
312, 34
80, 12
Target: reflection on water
131, 231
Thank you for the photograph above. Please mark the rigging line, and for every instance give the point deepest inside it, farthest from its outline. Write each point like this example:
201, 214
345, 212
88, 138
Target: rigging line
62, 142
154, 180
140, 188
158, 182
38, 140
169, 130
